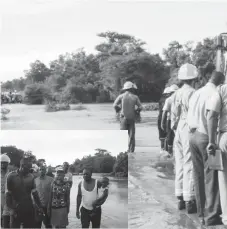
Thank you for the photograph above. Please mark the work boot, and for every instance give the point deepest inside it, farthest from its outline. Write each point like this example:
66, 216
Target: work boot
191, 207
170, 150
181, 203
162, 140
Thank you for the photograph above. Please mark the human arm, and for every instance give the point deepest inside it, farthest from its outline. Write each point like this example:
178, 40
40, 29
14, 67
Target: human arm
117, 102
102, 199
35, 196
163, 121
79, 198
138, 104
68, 200
213, 107
49, 206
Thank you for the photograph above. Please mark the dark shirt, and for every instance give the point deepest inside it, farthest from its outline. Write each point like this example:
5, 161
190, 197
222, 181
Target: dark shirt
20, 186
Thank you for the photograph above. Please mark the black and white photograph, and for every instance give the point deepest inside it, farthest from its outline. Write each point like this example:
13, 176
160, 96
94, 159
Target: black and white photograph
153, 70
55, 179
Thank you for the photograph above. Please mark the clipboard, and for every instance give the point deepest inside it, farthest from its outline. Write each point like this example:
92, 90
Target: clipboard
215, 162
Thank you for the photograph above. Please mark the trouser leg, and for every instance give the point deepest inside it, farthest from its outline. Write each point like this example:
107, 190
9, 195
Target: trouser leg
222, 175
96, 219
85, 217
131, 132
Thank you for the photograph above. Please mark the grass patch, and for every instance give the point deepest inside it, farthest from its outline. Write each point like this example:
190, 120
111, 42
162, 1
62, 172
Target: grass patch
79, 107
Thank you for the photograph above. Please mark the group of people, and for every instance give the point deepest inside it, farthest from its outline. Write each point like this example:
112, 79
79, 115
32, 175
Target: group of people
32, 197
192, 127
11, 97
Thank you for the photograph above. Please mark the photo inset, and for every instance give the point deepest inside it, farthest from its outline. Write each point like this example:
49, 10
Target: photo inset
64, 179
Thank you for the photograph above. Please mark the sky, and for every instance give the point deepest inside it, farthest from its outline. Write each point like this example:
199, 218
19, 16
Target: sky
57, 146
43, 29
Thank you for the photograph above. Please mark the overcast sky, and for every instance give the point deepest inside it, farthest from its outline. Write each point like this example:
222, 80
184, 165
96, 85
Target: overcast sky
43, 29
59, 146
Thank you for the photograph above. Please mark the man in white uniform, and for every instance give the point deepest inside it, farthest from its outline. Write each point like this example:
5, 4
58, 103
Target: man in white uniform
184, 182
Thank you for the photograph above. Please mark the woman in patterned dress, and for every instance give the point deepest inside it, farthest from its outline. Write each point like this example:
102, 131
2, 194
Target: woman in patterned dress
59, 204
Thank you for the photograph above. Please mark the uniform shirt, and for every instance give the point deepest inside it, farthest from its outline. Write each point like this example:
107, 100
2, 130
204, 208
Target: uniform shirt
20, 186
128, 102
218, 103
167, 107
197, 112
181, 104
43, 187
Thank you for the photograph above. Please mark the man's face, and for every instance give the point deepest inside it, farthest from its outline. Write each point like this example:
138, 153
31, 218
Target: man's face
26, 167
42, 171
86, 175
65, 166
60, 175
4, 165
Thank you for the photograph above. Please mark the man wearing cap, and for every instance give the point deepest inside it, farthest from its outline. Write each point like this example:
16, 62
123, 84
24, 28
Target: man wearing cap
162, 132
184, 182
206, 180
20, 187
130, 104
166, 118
217, 107
5, 211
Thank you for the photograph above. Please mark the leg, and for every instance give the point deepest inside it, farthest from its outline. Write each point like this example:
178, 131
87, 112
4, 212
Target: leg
123, 124
162, 134
85, 218
46, 220
6, 221
132, 136
29, 219
96, 220
15, 222
198, 166
178, 165
170, 138
222, 175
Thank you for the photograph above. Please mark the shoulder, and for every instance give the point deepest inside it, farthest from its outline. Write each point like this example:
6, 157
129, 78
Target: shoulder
12, 174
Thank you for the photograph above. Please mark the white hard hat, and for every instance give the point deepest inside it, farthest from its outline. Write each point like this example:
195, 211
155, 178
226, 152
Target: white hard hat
128, 85
60, 168
5, 158
35, 167
173, 88
187, 72
166, 90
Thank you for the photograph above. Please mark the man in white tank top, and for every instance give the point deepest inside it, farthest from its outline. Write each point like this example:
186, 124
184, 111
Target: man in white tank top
87, 195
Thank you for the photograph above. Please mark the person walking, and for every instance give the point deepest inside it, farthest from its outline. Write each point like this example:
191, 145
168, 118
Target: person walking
19, 192
184, 182
217, 107
5, 211
86, 198
59, 201
129, 104
43, 186
206, 179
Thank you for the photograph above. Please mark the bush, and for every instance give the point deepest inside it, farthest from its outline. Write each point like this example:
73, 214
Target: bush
36, 93
53, 107
151, 107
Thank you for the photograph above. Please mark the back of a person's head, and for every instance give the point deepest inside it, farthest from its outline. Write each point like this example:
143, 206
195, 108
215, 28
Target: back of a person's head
217, 78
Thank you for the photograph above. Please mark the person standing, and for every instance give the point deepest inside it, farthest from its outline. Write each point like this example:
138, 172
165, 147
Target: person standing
130, 105
19, 192
217, 106
5, 211
49, 172
206, 180
68, 176
184, 182
43, 186
162, 132
86, 198
166, 119
59, 201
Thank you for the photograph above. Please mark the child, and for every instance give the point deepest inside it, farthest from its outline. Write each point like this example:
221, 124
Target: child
104, 189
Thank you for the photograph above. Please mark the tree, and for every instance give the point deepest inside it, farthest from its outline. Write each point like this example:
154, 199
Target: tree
38, 72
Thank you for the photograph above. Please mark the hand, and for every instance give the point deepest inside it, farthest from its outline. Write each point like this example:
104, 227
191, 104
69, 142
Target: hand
211, 148
78, 214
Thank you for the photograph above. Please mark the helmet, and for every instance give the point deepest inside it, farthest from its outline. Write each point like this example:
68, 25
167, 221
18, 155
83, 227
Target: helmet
128, 85
35, 168
5, 158
187, 72
166, 90
173, 88
60, 168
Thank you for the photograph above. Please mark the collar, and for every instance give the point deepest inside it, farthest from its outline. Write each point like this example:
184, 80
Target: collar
186, 86
209, 84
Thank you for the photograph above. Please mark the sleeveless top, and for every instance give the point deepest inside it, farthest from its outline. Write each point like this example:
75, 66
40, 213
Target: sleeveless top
88, 197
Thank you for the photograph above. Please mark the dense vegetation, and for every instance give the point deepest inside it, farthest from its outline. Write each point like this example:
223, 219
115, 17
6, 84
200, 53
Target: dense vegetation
79, 77
101, 162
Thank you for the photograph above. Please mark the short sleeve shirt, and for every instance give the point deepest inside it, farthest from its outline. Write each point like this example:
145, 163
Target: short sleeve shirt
167, 106
218, 103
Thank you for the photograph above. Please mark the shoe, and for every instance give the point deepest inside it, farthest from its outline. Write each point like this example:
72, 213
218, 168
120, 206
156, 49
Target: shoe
191, 207
215, 222
181, 205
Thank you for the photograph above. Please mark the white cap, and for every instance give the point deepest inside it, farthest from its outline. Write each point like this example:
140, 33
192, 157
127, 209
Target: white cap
166, 90
128, 85
187, 72
60, 168
5, 158
35, 167
173, 88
